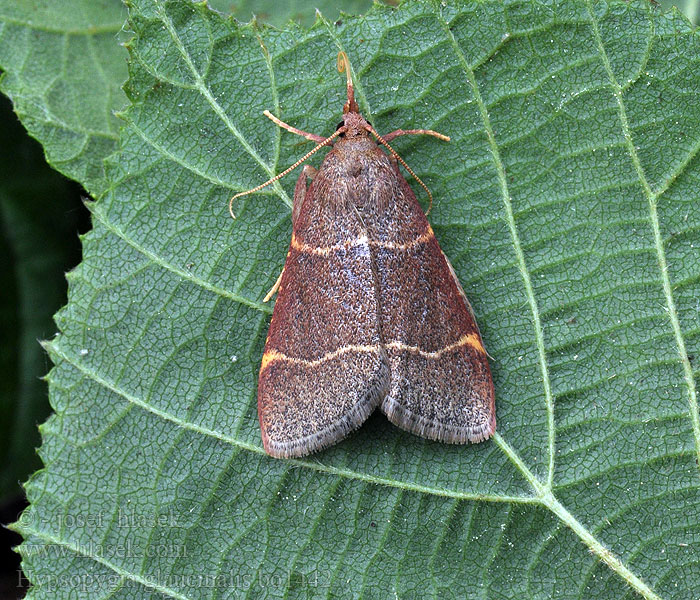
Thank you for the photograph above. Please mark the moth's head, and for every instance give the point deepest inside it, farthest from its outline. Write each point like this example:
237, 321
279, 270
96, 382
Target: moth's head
354, 125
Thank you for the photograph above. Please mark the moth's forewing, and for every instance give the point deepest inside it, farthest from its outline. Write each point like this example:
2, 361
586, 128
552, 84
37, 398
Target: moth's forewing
441, 385
324, 369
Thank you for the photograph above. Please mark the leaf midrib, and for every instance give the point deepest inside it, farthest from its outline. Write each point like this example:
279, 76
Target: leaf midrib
512, 227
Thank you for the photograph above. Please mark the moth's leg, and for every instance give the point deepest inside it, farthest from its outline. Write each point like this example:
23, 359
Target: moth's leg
309, 136
299, 195
394, 134
274, 288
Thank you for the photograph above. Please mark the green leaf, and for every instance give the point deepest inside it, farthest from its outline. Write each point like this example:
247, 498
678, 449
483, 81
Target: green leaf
64, 69
568, 202
278, 12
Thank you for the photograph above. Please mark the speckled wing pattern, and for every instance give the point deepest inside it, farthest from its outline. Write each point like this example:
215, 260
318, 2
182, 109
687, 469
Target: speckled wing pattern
324, 369
369, 313
441, 385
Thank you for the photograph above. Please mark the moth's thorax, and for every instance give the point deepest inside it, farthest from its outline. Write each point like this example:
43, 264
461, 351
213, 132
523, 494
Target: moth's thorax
355, 152
356, 149
355, 172
357, 169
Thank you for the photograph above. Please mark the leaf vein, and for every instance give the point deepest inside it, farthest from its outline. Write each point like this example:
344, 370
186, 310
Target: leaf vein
176, 159
312, 531
153, 257
485, 570
166, 591
539, 335
382, 542
218, 109
265, 518
608, 557
156, 510
432, 557
607, 472
344, 552
652, 199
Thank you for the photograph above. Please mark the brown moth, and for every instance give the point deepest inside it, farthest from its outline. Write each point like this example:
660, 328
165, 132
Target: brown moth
369, 312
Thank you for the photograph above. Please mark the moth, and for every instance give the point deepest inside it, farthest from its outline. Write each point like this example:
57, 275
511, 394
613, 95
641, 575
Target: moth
369, 311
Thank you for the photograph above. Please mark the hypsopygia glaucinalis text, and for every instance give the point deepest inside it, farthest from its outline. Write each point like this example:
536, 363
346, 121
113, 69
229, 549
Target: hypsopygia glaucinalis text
369, 311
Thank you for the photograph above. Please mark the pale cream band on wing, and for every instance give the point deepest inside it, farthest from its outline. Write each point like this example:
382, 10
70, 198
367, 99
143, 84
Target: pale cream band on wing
471, 339
361, 241
273, 355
